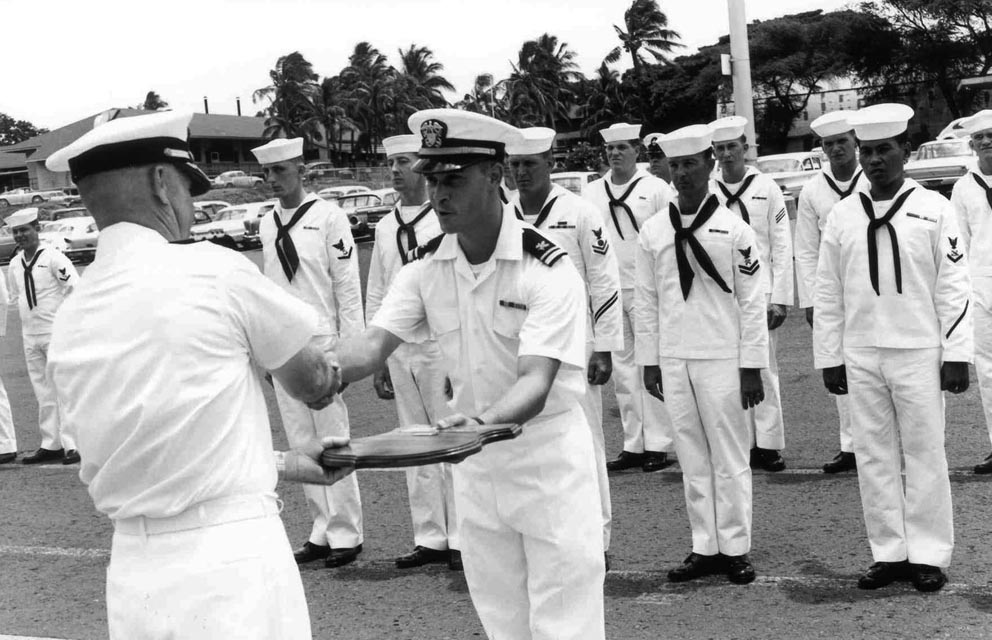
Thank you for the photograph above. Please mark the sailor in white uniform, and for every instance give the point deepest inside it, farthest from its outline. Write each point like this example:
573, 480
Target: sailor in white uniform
893, 328
758, 200
8, 438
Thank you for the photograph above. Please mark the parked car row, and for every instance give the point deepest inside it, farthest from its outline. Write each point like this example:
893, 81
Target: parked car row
231, 179
230, 222
21, 196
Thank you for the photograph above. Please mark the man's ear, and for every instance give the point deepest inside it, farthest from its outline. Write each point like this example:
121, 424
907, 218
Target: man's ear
496, 172
159, 182
906, 152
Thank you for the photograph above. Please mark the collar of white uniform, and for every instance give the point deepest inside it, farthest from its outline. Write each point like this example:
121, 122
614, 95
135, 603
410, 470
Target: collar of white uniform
908, 183
123, 236
826, 170
307, 198
638, 173
508, 246
555, 192
748, 170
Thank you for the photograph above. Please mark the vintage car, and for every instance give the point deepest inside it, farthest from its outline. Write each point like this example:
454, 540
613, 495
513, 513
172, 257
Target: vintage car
23, 195
230, 179
345, 190
938, 164
229, 223
80, 237
574, 181
790, 171
367, 217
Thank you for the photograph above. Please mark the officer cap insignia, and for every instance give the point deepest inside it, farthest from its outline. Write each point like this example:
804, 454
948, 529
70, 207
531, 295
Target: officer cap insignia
541, 248
432, 133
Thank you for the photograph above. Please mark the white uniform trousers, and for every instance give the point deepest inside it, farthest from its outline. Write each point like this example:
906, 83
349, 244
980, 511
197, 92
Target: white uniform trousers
418, 382
528, 512
592, 407
898, 412
646, 425
711, 438
844, 415
766, 424
231, 580
336, 510
982, 319
53, 437
8, 438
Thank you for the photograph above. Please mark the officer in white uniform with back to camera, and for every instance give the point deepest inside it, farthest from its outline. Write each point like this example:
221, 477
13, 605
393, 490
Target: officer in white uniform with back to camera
509, 312
626, 197
414, 375
575, 226
972, 201
702, 339
893, 328
154, 358
758, 200
838, 180
39, 278
308, 250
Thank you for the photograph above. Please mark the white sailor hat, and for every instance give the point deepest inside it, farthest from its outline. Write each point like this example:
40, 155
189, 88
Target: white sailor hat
687, 141
651, 142
729, 128
279, 150
22, 217
880, 121
978, 122
831, 124
621, 131
407, 143
452, 139
160, 137
531, 141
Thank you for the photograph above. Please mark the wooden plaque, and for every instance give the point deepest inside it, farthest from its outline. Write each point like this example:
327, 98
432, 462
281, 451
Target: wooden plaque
405, 448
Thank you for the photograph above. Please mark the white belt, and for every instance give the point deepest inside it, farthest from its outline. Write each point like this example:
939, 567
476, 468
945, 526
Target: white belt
203, 514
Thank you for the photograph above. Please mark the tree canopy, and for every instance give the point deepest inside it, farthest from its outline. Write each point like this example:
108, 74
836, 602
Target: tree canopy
13, 131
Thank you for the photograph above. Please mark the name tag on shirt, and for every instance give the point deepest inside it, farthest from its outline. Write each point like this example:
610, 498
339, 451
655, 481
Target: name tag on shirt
311, 228
910, 214
723, 231
513, 305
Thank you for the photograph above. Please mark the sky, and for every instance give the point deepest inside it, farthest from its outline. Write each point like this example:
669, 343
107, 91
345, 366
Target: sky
71, 59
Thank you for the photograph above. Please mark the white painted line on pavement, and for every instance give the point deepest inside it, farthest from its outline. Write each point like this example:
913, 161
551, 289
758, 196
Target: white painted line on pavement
27, 638
71, 552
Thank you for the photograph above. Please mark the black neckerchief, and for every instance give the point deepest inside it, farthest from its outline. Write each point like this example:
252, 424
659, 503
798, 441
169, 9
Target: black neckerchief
874, 225
850, 188
29, 290
285, 248
621, 202
685, 235
543, 215
736, 197
407, 229
985, 187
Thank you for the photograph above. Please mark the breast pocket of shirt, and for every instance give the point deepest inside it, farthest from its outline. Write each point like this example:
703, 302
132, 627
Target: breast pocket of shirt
508, 318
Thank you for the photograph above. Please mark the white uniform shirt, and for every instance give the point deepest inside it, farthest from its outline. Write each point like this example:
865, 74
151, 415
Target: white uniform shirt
4, 304
710, 323
386, 260
54, 277
517, 306
816, 200
154, 360
975, 223
650, 196
575, 225
770, 221
328, 275
931, 311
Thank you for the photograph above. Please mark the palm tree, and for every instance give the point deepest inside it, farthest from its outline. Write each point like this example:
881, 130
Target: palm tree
646, 32
487, 96
367, 87
540, 87
605, 100
418, 65
292, 95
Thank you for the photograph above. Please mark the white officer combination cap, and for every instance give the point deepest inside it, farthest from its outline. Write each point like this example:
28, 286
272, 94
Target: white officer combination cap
651, 142
407, 143
531, 141
22, 217
729, 128
831, 124
279, 150
881, 121
452, 139
978, 122
687, 141
621, 131
158, 138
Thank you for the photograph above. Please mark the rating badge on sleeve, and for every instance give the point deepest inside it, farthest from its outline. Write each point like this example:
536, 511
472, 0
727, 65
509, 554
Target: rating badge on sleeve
954, 255
750, 267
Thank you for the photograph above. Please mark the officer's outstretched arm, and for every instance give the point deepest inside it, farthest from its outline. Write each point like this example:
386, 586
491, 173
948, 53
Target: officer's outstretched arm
361, 356
311, 376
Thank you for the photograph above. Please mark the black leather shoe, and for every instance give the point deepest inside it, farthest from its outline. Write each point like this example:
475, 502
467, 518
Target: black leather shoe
42, 455
455, 560
739, 569
655, 461
71, 457
8, 457
342, 556
985, 466
627, 460
421, 556
697, 566
928, 578
310, 552
844, 461
767, 459
881, 574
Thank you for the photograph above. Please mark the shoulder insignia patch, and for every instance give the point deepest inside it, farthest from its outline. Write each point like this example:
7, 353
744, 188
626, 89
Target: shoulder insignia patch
750, 267
541, 248
424, 250
601, 245
954, 255
780, 215
345, 254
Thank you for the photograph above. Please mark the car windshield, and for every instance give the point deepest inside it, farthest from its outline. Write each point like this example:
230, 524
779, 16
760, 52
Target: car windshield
946, 149
232, 214
779, 165
572, 184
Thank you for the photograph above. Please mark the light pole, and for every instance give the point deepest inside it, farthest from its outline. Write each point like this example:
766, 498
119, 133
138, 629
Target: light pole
741, 66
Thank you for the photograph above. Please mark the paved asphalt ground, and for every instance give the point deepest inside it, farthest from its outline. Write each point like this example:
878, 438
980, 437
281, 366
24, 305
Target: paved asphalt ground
809, 541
